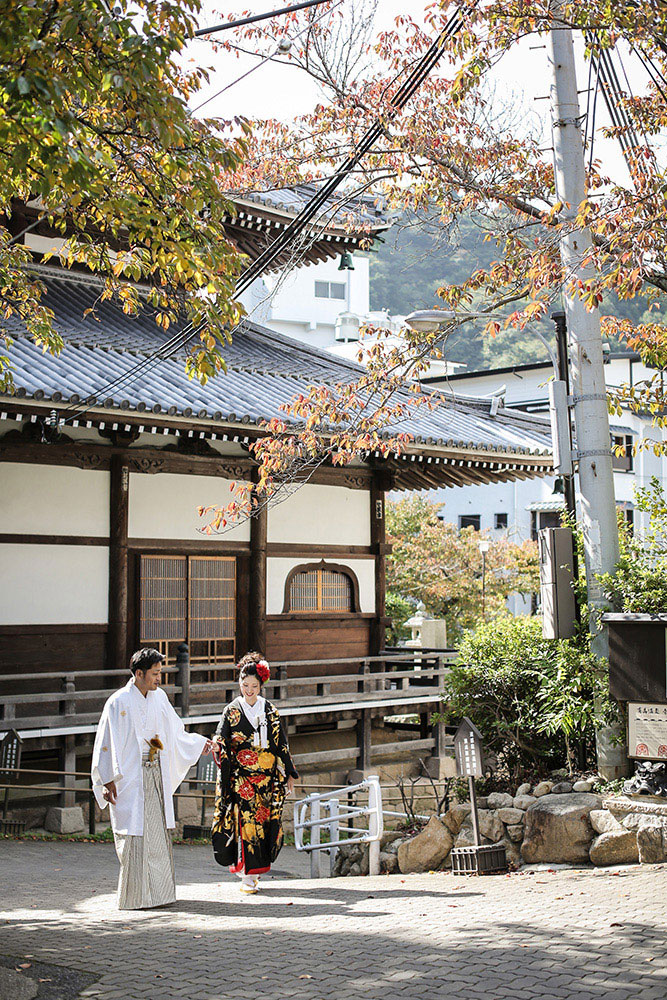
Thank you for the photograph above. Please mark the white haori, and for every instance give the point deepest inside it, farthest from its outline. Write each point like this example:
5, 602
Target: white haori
256, 716
128, 720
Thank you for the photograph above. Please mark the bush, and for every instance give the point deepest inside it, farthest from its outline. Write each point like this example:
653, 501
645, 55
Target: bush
532, 699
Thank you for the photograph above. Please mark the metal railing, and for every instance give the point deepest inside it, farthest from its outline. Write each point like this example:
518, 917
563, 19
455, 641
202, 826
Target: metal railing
328, 812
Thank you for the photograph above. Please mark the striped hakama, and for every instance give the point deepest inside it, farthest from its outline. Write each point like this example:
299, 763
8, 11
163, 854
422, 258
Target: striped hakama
147, 862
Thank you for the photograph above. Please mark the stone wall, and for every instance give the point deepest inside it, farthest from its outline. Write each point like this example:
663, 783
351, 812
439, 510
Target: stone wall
560, 822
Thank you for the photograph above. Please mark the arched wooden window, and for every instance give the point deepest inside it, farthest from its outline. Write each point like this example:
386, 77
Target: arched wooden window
320, 588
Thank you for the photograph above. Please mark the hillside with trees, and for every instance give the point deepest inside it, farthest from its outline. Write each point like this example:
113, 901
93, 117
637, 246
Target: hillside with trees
416, 257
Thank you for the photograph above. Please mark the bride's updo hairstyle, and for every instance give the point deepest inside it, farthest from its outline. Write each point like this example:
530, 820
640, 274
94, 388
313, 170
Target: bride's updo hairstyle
254, 665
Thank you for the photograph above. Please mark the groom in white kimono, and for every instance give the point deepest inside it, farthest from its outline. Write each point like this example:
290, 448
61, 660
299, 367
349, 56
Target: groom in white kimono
142, 753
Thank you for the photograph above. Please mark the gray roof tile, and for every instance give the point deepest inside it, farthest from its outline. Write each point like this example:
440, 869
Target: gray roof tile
264, 371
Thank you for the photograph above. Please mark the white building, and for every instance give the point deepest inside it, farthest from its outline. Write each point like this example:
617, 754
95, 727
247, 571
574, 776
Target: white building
523, 507
326, 307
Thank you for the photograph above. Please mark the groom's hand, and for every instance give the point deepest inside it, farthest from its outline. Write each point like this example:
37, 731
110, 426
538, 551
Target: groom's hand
110, 793
208, 746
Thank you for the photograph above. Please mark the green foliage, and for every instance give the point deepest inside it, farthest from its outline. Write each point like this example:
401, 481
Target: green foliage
639, 583
398, 610
536, 701
96, 135
433, 562
421, 254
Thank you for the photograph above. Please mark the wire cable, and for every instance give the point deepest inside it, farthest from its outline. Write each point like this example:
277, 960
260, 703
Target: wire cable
307, 27
282, 242
252, 19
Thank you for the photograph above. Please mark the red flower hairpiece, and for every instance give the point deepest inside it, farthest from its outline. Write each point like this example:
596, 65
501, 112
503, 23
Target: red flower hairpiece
263, 671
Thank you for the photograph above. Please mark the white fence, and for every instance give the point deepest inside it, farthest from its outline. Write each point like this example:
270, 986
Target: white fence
336, 813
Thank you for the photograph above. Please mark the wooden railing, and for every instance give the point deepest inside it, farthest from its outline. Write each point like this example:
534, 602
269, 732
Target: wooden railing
67, 699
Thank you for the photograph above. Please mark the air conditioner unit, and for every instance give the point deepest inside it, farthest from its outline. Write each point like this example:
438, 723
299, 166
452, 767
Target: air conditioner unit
347, 327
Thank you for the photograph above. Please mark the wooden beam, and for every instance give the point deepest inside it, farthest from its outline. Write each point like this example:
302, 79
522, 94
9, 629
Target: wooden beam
118, 589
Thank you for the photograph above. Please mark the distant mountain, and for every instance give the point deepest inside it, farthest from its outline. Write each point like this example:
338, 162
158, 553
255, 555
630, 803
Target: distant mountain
416, 259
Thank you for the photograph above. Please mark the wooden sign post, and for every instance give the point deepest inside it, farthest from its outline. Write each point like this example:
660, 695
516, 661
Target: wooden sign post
469, 764
480, 859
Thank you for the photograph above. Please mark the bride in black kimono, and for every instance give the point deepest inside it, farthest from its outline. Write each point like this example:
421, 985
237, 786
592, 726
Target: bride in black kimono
256, 771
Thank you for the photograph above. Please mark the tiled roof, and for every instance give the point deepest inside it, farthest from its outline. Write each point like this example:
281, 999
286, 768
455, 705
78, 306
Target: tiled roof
264, 371
365, 210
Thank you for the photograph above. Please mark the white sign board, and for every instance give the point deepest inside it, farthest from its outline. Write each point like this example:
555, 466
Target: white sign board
468, 751
647, 731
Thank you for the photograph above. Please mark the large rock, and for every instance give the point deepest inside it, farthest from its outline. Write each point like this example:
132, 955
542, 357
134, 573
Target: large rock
64, 819
465, 836
499, 800
523, 801
561, 788
511, 816
389, 836
515, 833
490, 826
558, 829
512, 851
388, 863
617, 847
455, 817
642, 821
427, 850
603, 821
650, 845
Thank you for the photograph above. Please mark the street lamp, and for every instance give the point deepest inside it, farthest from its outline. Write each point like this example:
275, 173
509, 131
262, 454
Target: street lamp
484, 545
429, 320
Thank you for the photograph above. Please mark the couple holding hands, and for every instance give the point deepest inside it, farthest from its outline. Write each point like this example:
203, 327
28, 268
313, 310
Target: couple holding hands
142, 753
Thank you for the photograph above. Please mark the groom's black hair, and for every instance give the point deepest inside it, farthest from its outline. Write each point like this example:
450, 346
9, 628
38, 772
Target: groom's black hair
144, 659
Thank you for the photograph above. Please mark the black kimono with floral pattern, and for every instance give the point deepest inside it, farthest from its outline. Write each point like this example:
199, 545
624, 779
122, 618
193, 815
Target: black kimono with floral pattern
247, 829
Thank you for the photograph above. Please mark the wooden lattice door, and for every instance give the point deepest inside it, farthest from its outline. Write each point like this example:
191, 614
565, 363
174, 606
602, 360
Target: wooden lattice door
189, 599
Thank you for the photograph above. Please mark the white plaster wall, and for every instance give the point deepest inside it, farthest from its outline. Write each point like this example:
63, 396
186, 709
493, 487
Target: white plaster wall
322, 515
277, 569
54, 584
165, 506
53, 500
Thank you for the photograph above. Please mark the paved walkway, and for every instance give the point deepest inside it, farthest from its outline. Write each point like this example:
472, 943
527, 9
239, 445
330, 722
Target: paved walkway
575, 935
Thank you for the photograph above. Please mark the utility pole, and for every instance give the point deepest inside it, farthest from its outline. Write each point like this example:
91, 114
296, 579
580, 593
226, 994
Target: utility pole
596, 482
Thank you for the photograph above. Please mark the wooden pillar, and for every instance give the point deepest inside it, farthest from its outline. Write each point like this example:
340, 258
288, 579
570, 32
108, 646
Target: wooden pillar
257, 609
380, 484
364, 740
68, 747
118, 591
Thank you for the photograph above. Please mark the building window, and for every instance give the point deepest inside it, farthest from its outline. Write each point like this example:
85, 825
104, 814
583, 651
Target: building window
329, 290
624, 462
500, 520
470, 521
628, 513
321, 587
189, 599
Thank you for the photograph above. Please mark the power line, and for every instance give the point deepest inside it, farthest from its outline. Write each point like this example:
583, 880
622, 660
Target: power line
259, 17
278, 247
281, 48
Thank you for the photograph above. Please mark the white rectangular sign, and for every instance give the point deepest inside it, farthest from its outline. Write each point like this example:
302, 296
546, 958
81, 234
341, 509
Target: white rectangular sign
647, 731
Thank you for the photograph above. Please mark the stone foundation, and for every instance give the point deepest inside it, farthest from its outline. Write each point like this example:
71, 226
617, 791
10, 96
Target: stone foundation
561, 822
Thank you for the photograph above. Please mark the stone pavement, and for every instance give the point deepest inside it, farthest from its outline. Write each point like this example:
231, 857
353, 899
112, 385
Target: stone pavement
558, 935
